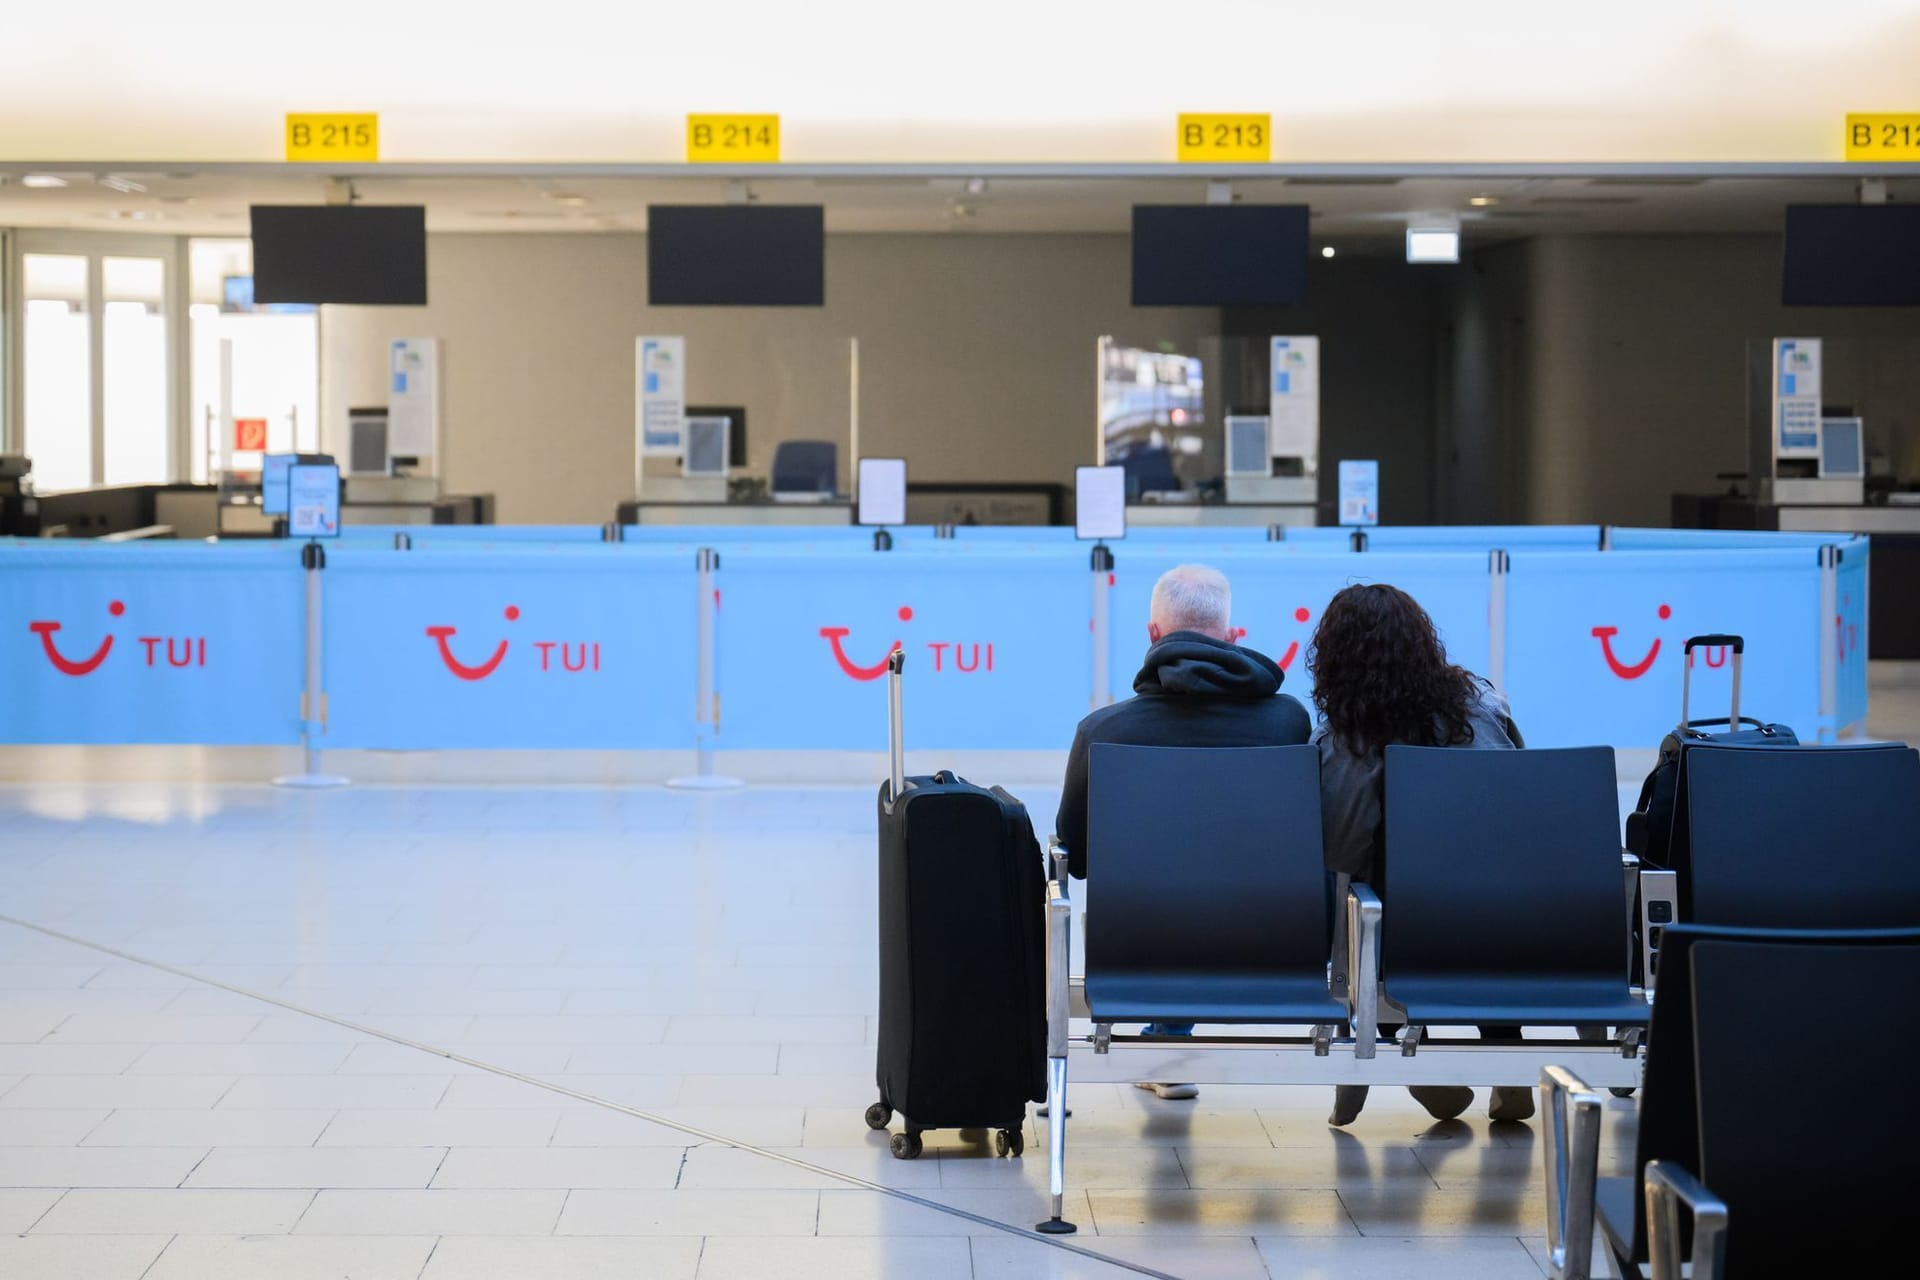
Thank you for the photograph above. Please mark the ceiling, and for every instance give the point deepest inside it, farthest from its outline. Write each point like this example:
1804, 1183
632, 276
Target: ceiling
1361, 213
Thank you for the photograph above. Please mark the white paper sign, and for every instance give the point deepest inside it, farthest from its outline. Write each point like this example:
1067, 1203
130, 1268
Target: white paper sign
313, 500
1359, 493
1100, 503
1796, 397
1293, 429
883, 491
660, 393
413, 410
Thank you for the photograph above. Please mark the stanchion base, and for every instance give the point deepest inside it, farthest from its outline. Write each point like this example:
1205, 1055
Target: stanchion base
311, 781
1055, 1227
705, 782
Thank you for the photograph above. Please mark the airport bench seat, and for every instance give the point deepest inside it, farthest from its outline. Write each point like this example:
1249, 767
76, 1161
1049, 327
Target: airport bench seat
1728, 1099
1215, 910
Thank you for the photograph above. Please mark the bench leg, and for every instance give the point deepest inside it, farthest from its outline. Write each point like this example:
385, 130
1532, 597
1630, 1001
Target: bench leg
1056, 1147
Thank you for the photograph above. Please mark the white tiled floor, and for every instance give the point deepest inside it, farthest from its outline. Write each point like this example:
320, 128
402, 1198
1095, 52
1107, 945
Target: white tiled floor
706, 958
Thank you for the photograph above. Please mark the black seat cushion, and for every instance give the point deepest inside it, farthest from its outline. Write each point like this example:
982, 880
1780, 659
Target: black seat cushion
1194, 996
1460, 1000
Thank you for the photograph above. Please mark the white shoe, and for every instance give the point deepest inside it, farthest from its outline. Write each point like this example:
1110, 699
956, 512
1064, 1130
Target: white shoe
1171, 1092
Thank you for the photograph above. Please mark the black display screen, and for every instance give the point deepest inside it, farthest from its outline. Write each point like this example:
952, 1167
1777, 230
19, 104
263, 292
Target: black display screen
1248, 255
373, 254
1852, 255
736, 255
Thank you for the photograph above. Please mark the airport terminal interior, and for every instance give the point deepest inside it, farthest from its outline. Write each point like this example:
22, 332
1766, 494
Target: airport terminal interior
571, 588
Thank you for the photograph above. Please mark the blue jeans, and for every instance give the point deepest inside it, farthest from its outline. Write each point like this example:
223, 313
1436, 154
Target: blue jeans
1167, 1029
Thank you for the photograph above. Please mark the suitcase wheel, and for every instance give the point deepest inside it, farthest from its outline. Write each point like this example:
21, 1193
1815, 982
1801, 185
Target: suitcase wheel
906, 1146
879, 1116
1009, 1142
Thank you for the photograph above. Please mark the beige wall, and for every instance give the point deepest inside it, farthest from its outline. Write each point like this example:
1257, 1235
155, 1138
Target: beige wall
1634, 384
976, 358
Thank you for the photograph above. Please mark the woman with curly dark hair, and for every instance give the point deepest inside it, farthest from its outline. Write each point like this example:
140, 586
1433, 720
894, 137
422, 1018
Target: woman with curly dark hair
1381, 677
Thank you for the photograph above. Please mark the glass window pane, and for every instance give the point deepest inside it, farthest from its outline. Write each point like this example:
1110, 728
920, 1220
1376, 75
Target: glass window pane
57, 373
134, 280
134, 372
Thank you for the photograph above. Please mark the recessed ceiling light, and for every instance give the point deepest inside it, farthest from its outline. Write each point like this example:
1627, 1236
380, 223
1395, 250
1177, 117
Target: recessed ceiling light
1326, 251
42, 181
1481, 202
1433, 244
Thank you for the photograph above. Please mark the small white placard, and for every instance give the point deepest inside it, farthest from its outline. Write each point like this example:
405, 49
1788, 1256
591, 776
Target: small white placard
1359, 493
883, 491
1100, 503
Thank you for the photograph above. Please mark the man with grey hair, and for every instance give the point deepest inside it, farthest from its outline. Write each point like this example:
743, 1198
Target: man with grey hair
1195, 689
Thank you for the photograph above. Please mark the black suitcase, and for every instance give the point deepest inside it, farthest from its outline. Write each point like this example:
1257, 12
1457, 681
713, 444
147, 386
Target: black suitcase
1656, 829
962, 1038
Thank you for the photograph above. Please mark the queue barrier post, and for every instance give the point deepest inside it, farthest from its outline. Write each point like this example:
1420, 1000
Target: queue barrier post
313, 695
1829, 642
403, 542
1606, 537
1499, 564
706, 698
612, 532
1276, 533
882, 540
1358, 540
1102, 567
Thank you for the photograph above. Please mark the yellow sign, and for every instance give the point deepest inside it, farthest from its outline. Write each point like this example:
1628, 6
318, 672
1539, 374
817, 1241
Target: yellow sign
733, 139
1894, 137
325, 136
1213, 139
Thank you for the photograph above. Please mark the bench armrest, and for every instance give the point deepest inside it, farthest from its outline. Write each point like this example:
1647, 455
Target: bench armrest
1363, 968
1571, 1112
1668, 1187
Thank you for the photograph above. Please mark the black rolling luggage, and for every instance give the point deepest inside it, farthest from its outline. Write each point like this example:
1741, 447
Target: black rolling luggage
1655, 832
962, 956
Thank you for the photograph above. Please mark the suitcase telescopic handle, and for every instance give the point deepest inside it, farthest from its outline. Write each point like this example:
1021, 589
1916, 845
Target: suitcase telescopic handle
896, 740
1717, 641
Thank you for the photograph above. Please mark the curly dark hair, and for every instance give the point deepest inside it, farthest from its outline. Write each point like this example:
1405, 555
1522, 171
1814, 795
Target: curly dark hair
1381, 675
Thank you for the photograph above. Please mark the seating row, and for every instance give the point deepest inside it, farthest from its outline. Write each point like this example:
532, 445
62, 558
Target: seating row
1499, 902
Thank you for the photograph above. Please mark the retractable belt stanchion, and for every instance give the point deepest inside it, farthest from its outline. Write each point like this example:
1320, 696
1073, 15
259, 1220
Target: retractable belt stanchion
313, 697
706, 713
1830, 725
1359, 540
1276, 533
403, 542
612, 532
1102, 564
1498, 566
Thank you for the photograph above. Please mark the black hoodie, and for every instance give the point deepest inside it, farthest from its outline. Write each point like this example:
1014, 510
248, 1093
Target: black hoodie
1192, 691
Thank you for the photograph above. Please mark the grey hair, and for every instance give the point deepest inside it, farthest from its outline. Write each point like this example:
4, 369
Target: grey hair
1193, 597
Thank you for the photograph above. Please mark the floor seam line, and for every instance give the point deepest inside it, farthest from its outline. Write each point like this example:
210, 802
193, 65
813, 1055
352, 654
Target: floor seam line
450, 1055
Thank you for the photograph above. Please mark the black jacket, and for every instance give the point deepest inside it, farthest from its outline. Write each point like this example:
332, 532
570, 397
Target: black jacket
1192, 691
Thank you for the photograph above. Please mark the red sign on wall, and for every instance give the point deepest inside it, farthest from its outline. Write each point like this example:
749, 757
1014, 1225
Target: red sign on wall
250, 435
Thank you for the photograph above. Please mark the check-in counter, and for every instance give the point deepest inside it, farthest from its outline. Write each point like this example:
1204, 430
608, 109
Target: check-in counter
1894, 625
1222, 515
737, 513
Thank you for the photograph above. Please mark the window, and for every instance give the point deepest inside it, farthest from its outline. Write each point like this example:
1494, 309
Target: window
57, 374
96, 372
